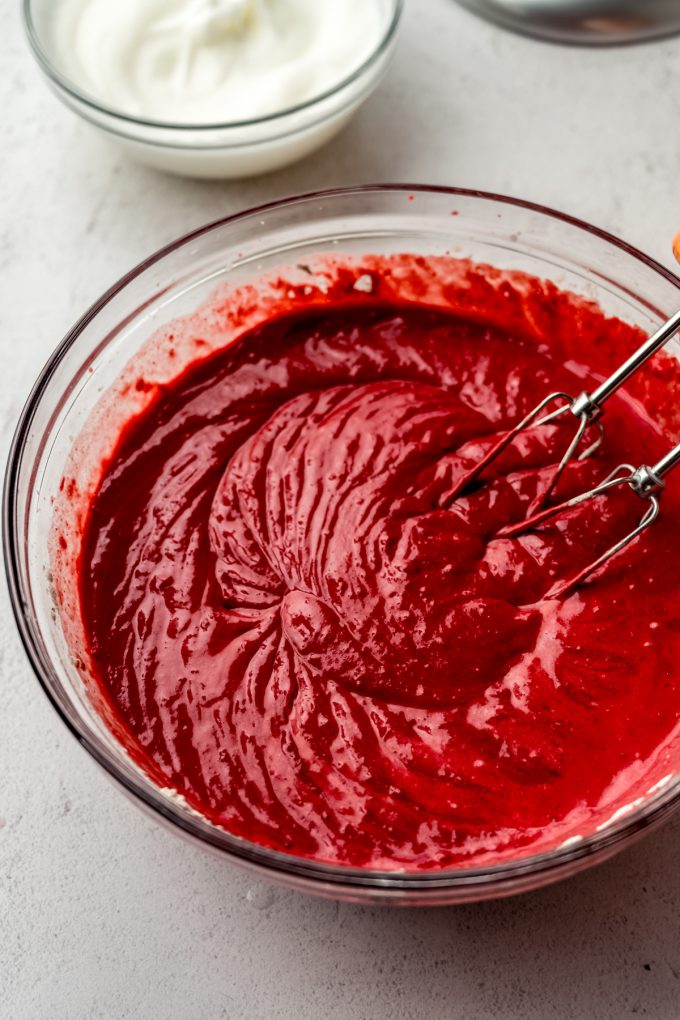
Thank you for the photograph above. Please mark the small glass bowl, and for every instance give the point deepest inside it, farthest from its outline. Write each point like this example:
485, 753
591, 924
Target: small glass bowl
230, 150
504, 232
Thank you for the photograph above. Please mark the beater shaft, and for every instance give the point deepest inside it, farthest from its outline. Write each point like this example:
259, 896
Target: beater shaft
635, 361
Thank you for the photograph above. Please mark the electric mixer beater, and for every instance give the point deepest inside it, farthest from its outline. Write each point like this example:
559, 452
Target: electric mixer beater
647, 482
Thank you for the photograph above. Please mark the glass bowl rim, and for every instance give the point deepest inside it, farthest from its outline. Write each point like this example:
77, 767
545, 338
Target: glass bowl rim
554, 862
64, 83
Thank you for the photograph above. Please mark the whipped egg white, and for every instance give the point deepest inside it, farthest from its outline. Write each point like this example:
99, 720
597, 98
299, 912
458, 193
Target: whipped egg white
213, 61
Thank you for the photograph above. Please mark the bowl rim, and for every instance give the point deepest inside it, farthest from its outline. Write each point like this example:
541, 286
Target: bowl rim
537, 868
68, 86
494, 14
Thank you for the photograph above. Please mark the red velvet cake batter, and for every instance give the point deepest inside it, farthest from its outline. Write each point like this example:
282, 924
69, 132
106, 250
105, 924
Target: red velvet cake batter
327, 653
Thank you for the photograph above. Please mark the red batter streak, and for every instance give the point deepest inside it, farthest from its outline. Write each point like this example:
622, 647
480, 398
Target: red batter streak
326, 653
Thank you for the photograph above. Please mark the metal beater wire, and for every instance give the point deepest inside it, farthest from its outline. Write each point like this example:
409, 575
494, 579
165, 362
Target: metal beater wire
645, 481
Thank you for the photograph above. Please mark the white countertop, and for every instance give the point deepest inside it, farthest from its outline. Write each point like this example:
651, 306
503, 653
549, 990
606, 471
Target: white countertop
103, 913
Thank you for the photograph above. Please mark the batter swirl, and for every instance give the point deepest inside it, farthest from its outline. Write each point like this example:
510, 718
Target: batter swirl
327, 653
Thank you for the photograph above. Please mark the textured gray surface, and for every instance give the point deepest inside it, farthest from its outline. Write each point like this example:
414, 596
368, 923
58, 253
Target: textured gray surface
103, 914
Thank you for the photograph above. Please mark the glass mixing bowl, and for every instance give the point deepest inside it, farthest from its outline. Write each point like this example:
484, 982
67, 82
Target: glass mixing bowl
225, 150
504, 232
